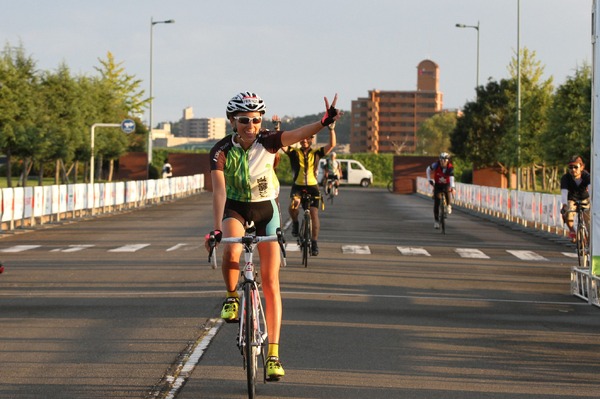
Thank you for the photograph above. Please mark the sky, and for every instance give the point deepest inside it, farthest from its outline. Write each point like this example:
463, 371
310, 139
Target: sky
295, 53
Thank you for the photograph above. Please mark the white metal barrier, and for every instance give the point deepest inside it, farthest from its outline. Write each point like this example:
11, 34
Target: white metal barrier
28, 206
536, 210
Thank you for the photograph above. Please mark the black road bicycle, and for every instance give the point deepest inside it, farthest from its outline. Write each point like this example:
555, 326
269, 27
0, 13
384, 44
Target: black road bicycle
329, 189
305, 232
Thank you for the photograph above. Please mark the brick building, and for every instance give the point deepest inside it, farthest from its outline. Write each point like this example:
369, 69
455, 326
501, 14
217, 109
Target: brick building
387, 121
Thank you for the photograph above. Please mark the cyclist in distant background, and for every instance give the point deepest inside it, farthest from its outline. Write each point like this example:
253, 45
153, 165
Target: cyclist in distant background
167, 169
575, 186
332, 171
304, 162
443, 184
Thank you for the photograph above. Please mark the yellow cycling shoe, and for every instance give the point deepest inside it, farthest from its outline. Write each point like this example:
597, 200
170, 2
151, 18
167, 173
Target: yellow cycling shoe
274, 369
230, 311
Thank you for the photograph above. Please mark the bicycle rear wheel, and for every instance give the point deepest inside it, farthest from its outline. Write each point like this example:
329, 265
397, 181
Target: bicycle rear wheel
582, 246
390, 186
251, 340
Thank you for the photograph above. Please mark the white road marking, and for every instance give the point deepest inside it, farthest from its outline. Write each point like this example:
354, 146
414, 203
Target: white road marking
176, 247
525, 255
570, 254
129, 248
20, 248
186, 367
471, 253
412, 251
292, 247
73, 248
356, 249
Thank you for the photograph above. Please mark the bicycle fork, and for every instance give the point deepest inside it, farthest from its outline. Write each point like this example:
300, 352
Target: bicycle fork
250, 285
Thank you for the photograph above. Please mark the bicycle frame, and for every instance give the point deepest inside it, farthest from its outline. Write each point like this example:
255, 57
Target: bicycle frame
583, 237
252, 334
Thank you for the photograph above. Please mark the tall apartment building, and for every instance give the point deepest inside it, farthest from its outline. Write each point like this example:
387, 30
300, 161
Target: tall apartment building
387, 121
207, 128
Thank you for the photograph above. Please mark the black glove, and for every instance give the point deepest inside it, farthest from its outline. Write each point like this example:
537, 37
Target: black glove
329, 116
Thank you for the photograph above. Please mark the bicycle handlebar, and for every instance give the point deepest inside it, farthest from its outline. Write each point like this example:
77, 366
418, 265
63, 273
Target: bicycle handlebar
248, 239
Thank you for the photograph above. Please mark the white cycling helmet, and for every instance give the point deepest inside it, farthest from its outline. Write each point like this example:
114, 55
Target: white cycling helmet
444, 155
245, 101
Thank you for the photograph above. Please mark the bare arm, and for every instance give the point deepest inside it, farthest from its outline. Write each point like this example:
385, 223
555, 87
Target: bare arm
294, 136
332, 139
290, 137
219, 197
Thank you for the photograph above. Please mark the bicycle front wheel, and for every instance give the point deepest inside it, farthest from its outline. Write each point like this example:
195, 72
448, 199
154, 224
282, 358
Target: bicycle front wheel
442, 214
252, 350
306, 237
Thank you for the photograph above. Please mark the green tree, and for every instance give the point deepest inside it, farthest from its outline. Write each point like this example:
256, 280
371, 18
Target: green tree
482, 132
568, 131
433, 136
120, 97
62, 121
18, 82
536, 98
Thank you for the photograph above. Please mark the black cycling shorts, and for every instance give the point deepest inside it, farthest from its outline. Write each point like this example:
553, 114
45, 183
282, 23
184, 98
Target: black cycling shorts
264, 214
312, 190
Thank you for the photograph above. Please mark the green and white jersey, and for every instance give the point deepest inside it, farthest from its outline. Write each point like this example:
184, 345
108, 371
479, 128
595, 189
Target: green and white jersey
249, 174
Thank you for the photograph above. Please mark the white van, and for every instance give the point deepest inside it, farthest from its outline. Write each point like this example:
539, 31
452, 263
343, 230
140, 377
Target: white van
353, 172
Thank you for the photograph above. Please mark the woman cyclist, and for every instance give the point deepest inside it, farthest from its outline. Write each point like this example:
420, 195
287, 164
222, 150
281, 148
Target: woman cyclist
245, 189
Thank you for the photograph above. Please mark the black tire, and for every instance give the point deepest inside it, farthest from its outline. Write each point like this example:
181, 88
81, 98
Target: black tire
307, 233
442, 214
365, 183
251, 351
390, 186
303, 243
582, 251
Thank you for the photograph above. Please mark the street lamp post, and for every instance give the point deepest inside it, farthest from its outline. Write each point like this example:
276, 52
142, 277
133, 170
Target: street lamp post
152, 23
476, 27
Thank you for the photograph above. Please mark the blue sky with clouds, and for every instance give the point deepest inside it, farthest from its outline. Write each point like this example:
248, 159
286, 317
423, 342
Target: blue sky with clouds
292, 53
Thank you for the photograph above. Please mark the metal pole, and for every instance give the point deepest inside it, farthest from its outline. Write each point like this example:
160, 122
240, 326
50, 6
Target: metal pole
518, 121
595, 147
150, 108
94, 126
477, 54
476, 27
150, 124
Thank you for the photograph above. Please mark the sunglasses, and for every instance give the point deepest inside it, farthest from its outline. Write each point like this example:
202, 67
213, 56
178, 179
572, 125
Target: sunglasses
573, 166
244, 120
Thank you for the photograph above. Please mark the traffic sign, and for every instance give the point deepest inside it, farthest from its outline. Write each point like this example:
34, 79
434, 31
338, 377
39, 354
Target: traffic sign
128, 126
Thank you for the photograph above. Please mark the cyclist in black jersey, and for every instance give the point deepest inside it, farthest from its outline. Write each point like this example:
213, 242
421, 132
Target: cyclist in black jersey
574, 186
245, 189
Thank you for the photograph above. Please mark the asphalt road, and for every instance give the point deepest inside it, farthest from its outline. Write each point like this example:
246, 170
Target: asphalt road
112, 308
